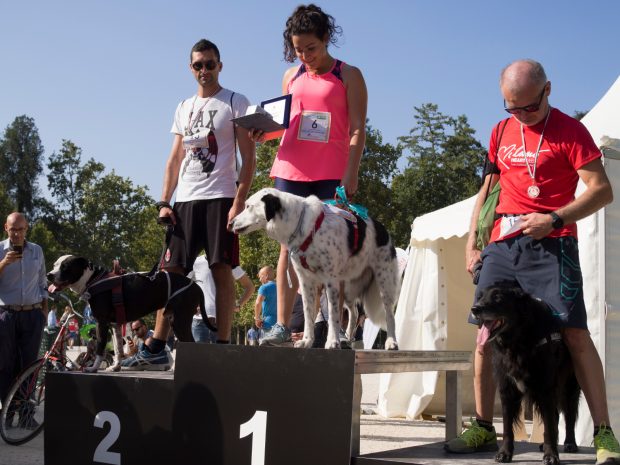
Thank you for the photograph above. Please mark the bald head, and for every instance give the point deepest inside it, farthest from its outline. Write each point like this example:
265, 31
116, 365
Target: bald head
16, 227
266, 274
521, 74
526, 91
16, 217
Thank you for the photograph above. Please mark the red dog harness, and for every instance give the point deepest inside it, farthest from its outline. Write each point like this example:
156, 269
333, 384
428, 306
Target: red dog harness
304, 246
319, 221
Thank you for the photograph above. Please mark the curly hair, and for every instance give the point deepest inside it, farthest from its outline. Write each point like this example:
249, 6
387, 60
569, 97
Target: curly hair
309, 19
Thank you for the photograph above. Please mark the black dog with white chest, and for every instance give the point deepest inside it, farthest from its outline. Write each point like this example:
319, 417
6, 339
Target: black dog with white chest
141, 294
531, 363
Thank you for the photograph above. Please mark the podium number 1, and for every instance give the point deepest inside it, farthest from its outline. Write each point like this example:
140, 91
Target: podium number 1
257, 427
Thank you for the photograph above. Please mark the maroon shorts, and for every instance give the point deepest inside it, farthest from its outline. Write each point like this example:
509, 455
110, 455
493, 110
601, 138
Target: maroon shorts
201, 225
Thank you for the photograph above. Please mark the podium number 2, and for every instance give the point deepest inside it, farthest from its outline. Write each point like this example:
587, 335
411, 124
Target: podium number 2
102, 454
257, 427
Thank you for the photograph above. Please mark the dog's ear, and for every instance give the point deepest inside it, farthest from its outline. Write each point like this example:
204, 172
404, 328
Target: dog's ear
81, 263
272, 206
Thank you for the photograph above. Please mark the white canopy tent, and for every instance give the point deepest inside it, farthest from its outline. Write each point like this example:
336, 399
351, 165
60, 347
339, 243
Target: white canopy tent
437, 292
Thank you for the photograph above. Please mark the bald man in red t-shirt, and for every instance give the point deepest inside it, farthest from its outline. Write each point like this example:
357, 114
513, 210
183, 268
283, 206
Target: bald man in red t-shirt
538, 155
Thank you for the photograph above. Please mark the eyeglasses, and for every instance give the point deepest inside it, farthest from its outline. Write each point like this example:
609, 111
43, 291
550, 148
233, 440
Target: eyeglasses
532, 108
17, 230
136, 328
210, 65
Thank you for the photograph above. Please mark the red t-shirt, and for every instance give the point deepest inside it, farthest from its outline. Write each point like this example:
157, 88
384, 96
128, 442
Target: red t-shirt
566, 147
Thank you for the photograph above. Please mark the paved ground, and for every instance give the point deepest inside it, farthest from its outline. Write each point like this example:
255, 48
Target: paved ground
406, 442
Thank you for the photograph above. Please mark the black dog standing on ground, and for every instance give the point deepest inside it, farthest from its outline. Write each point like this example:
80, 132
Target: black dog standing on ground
531, 363
141, 294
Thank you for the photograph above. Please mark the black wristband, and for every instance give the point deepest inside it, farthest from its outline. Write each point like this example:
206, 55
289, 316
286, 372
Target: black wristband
162, 204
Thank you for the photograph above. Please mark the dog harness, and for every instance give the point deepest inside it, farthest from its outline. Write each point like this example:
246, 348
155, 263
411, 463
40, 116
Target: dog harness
110, 281
549, 338
304, 246
352, 220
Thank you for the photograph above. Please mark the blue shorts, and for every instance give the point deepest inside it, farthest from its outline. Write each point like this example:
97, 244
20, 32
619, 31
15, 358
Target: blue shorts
324, 190
547, 269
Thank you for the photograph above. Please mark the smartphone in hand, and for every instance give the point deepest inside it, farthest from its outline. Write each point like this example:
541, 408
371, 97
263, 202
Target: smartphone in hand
16, 248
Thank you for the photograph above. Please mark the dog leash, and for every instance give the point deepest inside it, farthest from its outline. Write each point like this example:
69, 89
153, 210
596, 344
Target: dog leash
165, 220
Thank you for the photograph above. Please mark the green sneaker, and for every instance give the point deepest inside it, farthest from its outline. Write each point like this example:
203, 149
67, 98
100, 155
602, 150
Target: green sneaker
476, 438
607, 448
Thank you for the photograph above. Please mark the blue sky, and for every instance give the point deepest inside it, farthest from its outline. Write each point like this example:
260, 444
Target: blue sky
108, 75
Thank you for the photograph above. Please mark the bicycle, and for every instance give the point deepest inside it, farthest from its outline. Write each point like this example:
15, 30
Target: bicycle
22, 415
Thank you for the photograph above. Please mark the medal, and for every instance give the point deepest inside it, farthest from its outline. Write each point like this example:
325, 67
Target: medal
533, 191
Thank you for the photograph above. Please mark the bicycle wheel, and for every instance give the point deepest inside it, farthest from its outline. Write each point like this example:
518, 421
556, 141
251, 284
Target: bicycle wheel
23, 409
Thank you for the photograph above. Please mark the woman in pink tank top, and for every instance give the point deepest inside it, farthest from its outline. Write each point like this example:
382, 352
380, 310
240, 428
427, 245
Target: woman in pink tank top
323, 145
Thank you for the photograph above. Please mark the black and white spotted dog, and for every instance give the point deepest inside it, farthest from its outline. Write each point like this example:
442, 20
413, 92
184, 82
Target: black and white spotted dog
326, 246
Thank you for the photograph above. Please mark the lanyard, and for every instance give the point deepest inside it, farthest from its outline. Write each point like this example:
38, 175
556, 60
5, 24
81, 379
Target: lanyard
191, 113
533, 191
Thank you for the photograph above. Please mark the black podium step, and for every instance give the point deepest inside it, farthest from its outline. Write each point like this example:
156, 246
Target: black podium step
225, 405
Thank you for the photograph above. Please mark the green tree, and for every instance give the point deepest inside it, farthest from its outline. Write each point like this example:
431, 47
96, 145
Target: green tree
21, 155
256, 249
443, 167
100, 216
6, 204
579, 114
377, 168
115, 218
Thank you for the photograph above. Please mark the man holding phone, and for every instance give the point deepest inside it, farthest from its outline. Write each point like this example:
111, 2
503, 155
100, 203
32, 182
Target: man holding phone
23, 301
140, 334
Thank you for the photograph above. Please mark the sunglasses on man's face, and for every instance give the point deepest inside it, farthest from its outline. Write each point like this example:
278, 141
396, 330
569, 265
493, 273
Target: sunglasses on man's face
210, 65
532, 108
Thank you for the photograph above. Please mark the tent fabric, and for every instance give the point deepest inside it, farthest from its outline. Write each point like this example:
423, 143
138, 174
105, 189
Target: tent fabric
436, 291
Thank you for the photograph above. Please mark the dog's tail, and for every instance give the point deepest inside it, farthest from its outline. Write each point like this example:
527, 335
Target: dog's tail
203, 312
371, 298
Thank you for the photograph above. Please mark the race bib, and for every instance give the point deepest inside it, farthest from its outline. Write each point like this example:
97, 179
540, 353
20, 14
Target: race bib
509, 225
314, 126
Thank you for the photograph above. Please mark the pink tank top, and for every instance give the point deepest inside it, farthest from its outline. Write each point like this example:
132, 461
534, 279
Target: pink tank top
315, 146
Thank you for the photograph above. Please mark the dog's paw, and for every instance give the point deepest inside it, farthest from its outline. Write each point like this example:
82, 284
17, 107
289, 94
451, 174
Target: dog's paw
391, 344
303, 344
113, 368
332, 344
503, 456
551, 460
571, 448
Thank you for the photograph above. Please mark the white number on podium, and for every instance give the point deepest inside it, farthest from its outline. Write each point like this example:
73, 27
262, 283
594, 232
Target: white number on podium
257, 427
102, 454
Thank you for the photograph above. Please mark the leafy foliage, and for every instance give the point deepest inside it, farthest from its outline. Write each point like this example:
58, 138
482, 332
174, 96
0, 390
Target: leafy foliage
21, 155
443, 167
377, 168
99, 216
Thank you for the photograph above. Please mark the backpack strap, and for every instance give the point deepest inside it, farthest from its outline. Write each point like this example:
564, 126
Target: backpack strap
232, 112
486, 161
